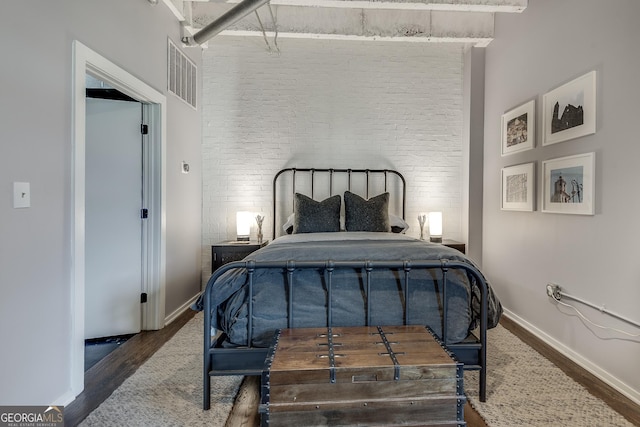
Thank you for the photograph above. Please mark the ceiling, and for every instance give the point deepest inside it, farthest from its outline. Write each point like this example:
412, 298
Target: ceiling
469, 22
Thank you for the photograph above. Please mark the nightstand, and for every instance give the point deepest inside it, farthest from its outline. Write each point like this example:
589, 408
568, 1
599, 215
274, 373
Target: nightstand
232, 250
455, 245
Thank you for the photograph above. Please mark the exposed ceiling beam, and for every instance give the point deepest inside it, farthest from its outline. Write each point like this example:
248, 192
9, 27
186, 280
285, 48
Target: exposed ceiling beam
490, 6
459, 21
358, 24
472, 41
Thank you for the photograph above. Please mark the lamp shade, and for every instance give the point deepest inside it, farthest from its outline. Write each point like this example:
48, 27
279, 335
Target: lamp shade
243, 225
435, 226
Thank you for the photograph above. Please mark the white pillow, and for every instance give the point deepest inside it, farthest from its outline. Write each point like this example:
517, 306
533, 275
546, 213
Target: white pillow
396, 221
289, 224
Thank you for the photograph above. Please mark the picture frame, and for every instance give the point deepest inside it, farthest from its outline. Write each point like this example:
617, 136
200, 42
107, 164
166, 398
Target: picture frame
518, 187
569, 111
518, 128
569, 184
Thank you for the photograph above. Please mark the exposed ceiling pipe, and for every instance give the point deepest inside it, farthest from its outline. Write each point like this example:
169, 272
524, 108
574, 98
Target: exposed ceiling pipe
233, 15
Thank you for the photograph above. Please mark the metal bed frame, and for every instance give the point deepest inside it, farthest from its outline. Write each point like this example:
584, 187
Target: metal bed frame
250, 360
331, 173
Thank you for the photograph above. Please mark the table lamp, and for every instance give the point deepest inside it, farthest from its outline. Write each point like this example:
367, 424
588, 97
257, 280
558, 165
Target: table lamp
435, 227
243, 225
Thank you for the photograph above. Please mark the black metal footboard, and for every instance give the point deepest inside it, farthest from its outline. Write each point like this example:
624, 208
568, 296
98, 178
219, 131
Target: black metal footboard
249, 360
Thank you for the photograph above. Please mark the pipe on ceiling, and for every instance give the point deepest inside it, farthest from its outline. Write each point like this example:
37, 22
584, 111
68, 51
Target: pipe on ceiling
233, 15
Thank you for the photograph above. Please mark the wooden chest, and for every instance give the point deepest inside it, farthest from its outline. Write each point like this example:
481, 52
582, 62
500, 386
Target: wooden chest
385, 375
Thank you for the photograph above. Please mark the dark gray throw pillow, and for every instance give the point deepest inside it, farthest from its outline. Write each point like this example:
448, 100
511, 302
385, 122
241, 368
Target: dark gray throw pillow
316, 217
366, 215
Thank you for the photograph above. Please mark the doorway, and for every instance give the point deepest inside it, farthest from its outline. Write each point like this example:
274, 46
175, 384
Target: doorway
87, 61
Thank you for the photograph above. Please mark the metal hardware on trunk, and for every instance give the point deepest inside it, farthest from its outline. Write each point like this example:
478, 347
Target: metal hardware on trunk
265, 392
335, 344
392, 355
364, 378
332, 360
325, 335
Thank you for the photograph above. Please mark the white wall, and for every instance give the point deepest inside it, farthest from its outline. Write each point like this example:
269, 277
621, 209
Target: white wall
592, 257
36, 137
329, 104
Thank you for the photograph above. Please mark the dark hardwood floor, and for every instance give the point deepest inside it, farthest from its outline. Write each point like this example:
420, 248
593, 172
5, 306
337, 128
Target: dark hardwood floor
103, 378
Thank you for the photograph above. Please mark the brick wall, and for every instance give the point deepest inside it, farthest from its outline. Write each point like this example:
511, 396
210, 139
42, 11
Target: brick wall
329, 104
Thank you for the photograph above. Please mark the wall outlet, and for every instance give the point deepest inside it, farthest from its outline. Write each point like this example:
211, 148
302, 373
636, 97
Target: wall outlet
553, 291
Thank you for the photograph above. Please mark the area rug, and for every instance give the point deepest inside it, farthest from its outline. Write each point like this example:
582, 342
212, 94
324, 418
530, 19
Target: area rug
526, 389
167, 389
523, 389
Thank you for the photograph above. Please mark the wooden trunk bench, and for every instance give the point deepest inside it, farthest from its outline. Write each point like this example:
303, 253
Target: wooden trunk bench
385, 375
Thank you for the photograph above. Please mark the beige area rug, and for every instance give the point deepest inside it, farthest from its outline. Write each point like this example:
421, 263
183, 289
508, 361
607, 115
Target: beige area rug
167, 389
526, 389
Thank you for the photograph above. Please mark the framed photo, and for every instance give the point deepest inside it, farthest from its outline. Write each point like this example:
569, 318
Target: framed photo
518, 187
569, 184
570, 110
518, 128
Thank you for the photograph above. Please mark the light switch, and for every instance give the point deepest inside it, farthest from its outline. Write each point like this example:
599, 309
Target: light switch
21, 195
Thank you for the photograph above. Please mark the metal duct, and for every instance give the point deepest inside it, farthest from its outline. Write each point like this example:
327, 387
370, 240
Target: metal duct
234, 14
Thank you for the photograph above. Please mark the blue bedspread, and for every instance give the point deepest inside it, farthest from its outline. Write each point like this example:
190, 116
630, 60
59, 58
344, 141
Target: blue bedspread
229, 293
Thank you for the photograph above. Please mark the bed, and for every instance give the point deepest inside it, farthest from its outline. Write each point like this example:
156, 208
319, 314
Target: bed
342, 259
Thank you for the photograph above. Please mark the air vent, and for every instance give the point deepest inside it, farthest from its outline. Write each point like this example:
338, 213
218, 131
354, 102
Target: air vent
182, 75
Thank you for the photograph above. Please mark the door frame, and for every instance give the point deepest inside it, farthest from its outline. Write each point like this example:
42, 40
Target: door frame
87, 61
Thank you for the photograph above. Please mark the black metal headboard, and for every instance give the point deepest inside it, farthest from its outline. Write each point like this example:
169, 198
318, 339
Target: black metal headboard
330, 176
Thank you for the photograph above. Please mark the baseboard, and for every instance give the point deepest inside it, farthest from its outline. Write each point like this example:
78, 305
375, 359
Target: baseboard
576, 358
64, 400
184, 307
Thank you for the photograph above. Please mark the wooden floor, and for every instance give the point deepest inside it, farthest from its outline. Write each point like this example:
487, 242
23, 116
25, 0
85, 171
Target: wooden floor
102, 379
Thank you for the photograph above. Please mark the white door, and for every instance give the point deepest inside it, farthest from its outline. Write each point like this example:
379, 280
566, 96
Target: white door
113, 228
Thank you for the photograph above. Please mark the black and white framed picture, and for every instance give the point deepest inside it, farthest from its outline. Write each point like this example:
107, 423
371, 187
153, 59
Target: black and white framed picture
569, 184
518, 185
518, 128
570, 111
